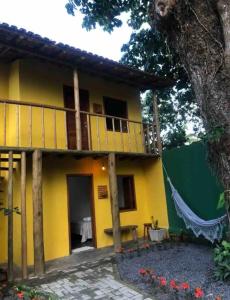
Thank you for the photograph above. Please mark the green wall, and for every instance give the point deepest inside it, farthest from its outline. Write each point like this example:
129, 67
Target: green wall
191, 175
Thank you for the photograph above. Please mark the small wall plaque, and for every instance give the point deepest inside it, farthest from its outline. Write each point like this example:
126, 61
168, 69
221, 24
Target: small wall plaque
102, 192
97, 108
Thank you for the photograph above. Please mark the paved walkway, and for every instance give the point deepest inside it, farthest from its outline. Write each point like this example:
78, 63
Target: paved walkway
90, 280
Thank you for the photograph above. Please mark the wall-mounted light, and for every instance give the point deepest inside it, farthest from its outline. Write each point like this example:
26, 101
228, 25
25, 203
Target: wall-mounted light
103, 167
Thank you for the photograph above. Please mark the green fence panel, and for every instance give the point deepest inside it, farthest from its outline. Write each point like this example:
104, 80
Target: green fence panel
191, 175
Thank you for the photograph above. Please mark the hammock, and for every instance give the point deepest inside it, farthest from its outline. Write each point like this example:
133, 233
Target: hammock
212, 230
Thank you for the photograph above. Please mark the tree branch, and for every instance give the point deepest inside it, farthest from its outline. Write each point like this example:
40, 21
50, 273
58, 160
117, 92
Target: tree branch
164, 7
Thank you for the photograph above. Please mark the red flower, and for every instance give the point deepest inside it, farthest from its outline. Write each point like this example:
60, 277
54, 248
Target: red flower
185, 286
142, 272
120, 250
198, 293
20, 295
163, 281
218, 298
173, 284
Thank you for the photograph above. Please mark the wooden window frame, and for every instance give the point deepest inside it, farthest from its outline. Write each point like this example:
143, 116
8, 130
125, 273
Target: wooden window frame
121, 210
124, 128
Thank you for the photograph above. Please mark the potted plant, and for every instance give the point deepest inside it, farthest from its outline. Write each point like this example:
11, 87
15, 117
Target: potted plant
156, 233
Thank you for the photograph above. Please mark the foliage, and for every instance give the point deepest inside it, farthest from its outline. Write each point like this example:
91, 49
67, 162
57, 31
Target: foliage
148, 51
155, 224
27, 293
221, 202
8, 211
222, 261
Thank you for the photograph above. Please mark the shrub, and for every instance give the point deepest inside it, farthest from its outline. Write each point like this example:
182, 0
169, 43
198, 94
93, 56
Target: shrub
27, 293
222, 261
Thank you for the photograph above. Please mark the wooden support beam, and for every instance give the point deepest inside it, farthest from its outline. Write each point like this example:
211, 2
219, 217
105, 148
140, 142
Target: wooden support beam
77, 108
156, 122
23, 216
10, 219
114, 201
39, 264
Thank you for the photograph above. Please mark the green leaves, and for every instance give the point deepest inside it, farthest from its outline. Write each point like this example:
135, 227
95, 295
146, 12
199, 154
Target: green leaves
214, 134
148, 50
222, 261
221, 202
33, 293
8, 211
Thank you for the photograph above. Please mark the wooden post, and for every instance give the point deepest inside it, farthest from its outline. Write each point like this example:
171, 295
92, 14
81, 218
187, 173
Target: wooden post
4, 129
39, 265
10, 220
43, 128
31, 126
77, 108
23, 216
114, 201
156, 122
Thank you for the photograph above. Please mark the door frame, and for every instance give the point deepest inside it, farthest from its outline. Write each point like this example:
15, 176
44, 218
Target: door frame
92, 208
82, 92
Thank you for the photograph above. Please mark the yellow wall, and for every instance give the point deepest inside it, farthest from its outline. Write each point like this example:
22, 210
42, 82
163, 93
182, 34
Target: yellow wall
4, 94
154, 180
150, 201
42, 83
3, 225
4, 83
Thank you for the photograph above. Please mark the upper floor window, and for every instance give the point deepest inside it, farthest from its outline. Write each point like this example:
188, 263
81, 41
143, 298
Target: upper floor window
126, 192
117, 109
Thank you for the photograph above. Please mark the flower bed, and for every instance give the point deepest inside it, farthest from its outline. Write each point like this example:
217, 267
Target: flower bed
175, 289
192, 264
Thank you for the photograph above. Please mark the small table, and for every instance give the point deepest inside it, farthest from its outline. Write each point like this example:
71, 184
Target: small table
127, 228
147, 226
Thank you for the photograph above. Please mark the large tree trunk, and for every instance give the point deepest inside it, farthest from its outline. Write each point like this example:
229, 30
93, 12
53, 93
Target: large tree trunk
200, 32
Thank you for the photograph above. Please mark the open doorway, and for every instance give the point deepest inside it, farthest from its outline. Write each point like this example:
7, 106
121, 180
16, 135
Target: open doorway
81, 219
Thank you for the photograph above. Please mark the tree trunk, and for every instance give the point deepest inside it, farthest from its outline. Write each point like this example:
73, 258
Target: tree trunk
200, 33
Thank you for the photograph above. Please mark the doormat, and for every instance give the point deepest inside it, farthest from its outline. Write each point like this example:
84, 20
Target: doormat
82, 249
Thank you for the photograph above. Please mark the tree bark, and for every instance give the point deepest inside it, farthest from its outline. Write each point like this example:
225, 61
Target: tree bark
200, 33
224, 12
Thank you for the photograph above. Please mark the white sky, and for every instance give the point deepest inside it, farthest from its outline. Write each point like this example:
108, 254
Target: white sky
50, 19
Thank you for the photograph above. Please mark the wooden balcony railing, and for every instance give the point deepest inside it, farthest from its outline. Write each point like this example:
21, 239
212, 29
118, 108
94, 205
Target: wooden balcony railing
32, 125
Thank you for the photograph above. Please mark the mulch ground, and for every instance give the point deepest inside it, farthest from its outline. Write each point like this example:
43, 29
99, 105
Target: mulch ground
185, 263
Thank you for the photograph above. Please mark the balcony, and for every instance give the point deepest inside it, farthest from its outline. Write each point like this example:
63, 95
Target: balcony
30, 125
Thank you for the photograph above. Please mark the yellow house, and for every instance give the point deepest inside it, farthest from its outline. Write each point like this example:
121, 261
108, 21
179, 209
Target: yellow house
76, 158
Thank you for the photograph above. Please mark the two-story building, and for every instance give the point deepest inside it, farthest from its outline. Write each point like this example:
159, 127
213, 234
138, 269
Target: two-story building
76, 157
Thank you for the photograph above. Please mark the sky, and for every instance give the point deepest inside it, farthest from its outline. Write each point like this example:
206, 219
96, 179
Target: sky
49, 18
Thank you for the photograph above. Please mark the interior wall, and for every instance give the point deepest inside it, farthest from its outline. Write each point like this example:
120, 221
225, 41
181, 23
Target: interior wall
79, 188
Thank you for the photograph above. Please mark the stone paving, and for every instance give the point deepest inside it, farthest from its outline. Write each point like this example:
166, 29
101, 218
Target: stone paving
92, 280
